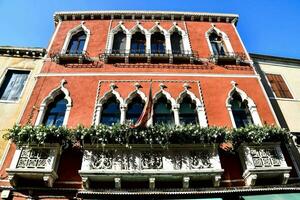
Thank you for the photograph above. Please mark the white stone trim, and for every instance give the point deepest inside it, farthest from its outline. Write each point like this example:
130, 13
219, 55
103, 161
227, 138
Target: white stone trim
72, 32
251, 105
158, 28
50, 98
137, 27
115, 30
226, 42
184, 35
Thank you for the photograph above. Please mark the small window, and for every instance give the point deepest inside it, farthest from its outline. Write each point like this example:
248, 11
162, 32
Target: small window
13, 85
158, 43
176, 43
217, 44
76, 43
279, 86
187, 111
240, 111
135, 109
163, 112
119, 43
138, 43
110, 112
56, 111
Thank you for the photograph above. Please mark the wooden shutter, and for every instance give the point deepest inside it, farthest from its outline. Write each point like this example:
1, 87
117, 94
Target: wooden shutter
279, 86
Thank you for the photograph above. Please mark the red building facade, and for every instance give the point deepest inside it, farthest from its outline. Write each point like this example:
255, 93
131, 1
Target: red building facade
99, 70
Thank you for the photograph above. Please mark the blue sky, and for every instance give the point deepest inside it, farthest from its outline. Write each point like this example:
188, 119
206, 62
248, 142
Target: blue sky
265, 26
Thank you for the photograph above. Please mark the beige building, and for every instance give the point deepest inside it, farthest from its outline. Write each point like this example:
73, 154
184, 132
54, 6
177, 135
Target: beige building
281, 79
18, 67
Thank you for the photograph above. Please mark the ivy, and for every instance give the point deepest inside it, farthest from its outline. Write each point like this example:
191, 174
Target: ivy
162, 134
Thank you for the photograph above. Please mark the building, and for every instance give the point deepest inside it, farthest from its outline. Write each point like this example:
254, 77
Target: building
18, 66
105, 67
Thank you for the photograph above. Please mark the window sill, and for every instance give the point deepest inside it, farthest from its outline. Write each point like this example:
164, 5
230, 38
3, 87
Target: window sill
284, 99
10, 101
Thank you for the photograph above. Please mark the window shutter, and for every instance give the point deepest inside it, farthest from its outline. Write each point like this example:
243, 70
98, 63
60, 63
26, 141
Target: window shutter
279, 86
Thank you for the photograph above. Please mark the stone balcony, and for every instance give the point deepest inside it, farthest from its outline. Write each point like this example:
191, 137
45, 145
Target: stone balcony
264, 161
181, 163
35, 163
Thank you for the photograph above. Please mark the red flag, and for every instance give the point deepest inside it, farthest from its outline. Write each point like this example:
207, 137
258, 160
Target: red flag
147, 111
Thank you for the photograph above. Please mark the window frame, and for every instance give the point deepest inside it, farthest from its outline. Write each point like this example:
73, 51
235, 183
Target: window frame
285, 82
2, 78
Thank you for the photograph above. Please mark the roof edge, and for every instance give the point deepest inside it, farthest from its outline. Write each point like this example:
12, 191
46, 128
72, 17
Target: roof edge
29, 52
275, 58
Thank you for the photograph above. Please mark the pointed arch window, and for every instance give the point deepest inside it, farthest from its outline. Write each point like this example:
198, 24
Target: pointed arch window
138, 43
217, 44
176, 43
158, 43
187, 111
135, 109
111, 111
119, 42
76, 43
163, 111
56, 111
240, 111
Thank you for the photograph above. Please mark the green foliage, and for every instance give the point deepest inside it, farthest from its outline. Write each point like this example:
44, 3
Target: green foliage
162, 134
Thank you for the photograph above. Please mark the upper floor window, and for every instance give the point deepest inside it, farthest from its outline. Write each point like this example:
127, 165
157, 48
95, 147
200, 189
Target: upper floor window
138, 43
119, 42
76, 43
217, 45
163, 111
158, 43
279, 86
13, 84
111, 111
240, 111
176, 43
187, 111
135, 109
56, 111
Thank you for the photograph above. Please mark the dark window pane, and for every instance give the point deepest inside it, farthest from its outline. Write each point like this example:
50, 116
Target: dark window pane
56, 110
240, 111
138, 43
76, 43
187, 111
110, 112
157, 43
176, 43
163, 112
216, 44
135, 109
13, 85
119, 42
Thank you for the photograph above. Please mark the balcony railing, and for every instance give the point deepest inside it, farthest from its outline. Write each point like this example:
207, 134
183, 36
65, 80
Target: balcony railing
139, 163
134, 56
228, 58
70, 57
37, 163
263, 162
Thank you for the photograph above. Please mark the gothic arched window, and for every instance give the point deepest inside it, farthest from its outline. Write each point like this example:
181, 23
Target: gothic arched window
135, 109
176, 43
119, 43
217, 44
240, 111
110, 111
163, 111
56, 111
187, 111
138, 43
76, 43
158, 43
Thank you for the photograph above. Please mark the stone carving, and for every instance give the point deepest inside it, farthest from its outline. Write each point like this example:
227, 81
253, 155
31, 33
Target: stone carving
34, 158
200, 159
266, 157
101, 160
152, 160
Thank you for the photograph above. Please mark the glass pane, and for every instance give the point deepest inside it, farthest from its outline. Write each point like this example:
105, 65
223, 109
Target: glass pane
56, 111
138, 43
187, 111
176, 43
110, 112
163, 112
240, 111
76, 43
157, 43
119, 42
135, 109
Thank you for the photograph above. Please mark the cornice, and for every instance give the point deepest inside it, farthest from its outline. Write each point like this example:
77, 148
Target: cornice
26, 52
144, 15
270, 58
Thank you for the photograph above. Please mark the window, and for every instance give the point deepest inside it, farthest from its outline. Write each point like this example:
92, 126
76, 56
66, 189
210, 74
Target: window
187, 111
119, 42
158, 43
217, 44
279, 86
135, 109
77, 43
176, 43
56, 111
240, 111
110, 111
13, 85
163, 112
138, 43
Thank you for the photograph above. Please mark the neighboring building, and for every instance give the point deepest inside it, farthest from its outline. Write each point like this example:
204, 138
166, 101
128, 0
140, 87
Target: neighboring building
101, 68
18, 66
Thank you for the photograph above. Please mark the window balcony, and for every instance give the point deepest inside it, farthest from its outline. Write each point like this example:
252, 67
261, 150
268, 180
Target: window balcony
34, 163
150, 166
141, 56
263, 162
228, 58
70, 58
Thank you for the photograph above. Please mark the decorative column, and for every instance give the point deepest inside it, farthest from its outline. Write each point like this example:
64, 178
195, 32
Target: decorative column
123, 114
168, 43
98, 114
201, 116
176, 114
